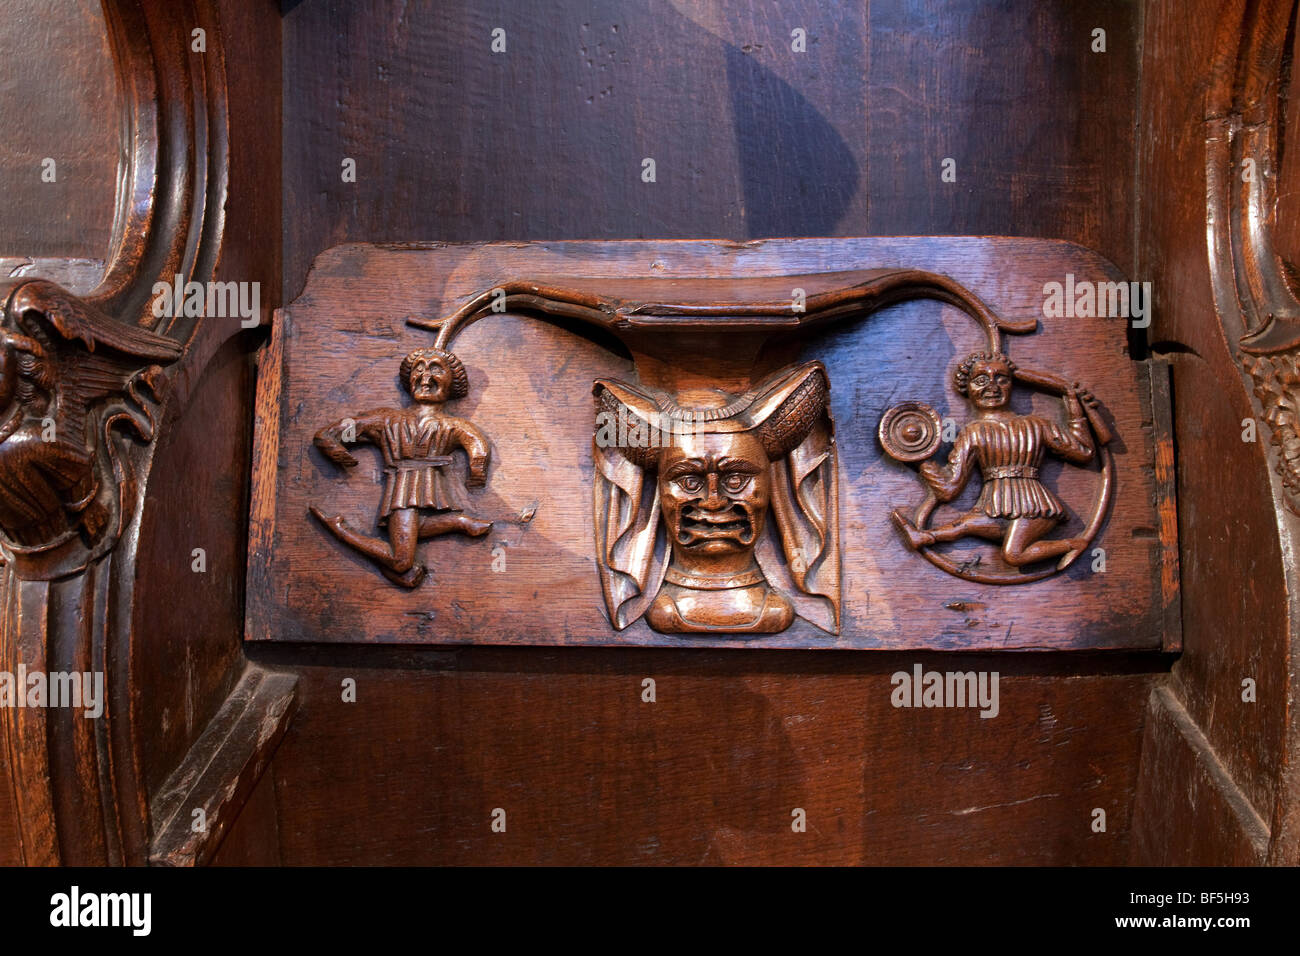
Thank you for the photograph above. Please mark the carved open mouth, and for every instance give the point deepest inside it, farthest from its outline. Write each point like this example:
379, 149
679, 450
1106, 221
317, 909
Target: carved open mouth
697, 526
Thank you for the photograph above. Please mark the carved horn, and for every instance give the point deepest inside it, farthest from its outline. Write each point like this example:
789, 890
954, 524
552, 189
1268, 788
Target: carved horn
638, 410
787, 412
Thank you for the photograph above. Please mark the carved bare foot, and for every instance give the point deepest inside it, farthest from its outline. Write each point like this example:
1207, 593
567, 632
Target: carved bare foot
476, 527
408, 579
916, 538
1076, 546
337, 524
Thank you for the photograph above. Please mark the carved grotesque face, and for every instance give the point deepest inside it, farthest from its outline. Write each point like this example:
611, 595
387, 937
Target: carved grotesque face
431, 380
714, 490
990, 384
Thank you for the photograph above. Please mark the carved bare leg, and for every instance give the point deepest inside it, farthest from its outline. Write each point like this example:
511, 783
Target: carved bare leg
396, 556
972, 524
449, 522
404, 539
916, 538
1022, 545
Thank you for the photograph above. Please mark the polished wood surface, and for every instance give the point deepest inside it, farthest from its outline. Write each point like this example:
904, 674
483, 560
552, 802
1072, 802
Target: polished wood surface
1115, 151
530, 580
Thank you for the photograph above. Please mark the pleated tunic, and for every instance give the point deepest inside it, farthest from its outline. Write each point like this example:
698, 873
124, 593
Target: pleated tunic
418, 461
1009, 453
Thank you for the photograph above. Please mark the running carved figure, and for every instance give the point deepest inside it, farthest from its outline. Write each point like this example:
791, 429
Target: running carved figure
424, 497
1014, 508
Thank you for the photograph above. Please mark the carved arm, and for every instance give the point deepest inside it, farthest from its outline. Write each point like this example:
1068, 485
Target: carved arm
475, 443
948, 482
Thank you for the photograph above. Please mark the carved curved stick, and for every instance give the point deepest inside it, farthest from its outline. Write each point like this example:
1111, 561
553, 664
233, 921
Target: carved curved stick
874, 290
1058, 386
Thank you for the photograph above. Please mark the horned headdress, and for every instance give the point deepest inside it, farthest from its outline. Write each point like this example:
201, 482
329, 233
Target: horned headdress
790, 414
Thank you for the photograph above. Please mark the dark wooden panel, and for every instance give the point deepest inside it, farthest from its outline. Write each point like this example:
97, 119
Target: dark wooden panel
60, 100
254, 840
1203, 817
1234, 594
195, 502
709, 773
1041, 127
546, 140
750, 139
10, 850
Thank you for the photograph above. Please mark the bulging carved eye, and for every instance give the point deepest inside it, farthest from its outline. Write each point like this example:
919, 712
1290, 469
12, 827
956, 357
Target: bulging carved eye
735, 481
690, 483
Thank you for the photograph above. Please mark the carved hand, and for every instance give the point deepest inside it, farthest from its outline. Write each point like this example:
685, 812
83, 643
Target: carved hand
932, 473
333, 449
1076, 397
95, 519
477, 473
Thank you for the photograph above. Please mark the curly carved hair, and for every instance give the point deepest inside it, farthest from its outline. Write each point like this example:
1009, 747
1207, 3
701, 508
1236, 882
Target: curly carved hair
459, 377
961, 375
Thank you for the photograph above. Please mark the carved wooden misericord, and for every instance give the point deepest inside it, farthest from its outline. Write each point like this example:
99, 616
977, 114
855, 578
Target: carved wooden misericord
741, 485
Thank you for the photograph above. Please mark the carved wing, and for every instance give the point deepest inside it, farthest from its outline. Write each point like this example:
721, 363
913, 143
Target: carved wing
75, 320
91, 355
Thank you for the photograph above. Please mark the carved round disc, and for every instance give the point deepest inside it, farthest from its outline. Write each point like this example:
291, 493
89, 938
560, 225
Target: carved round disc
910, 431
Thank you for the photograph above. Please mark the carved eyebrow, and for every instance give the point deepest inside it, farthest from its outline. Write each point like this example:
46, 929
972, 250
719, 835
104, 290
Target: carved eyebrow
739, 464
688, 466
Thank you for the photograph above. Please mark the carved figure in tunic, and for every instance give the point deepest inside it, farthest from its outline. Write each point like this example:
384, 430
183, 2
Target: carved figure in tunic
1008, 449
423, 495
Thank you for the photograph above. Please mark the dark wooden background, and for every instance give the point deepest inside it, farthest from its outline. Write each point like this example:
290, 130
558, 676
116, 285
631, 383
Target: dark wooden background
750, 140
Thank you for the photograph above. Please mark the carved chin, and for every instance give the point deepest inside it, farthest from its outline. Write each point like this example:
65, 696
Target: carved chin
730, 530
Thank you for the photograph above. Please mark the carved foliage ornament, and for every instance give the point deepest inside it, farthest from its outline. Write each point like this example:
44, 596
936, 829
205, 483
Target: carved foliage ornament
1257, 292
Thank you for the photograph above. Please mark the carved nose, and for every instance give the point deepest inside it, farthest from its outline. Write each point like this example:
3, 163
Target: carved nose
714, 501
